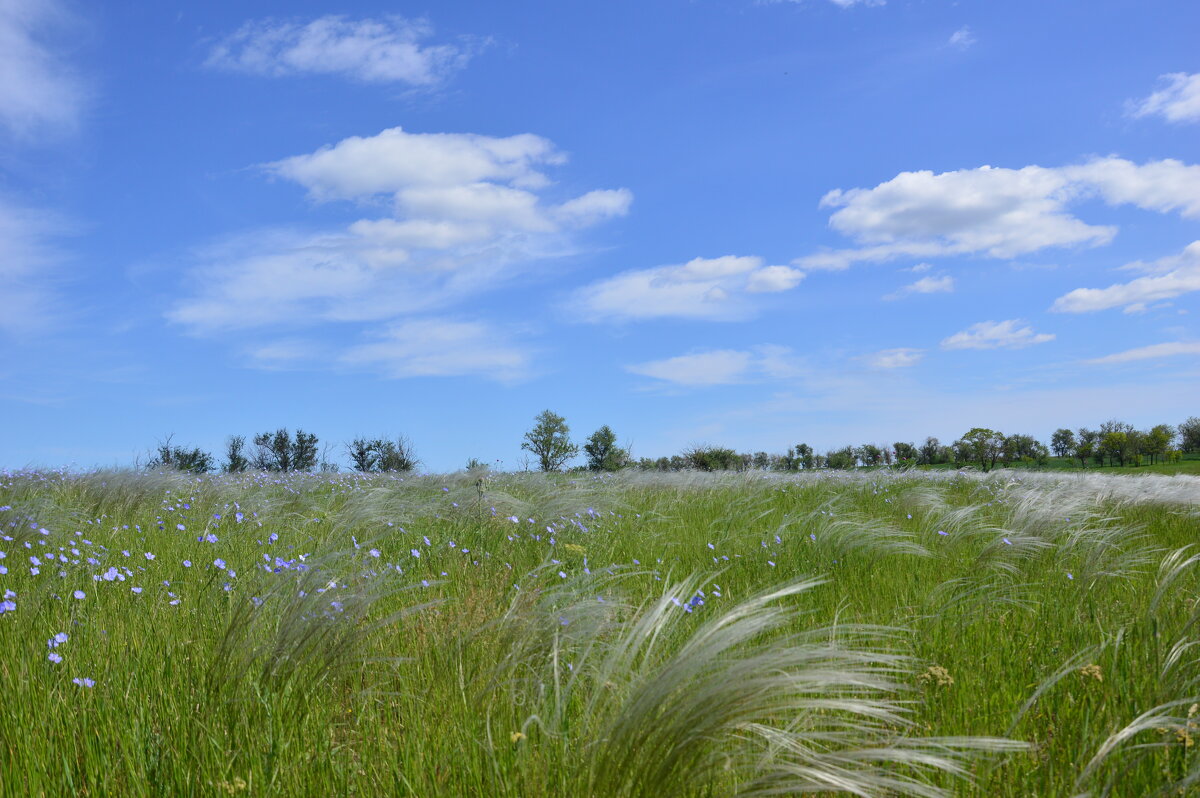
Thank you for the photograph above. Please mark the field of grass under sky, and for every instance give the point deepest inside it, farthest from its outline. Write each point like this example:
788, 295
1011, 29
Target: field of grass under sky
933, 633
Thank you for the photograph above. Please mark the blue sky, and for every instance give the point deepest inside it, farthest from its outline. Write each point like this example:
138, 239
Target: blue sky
723, 221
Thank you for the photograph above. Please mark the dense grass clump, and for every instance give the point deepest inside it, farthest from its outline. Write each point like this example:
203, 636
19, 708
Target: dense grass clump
635, 634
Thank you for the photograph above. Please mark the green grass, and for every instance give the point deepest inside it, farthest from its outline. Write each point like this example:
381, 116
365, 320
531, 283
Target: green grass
1044, 645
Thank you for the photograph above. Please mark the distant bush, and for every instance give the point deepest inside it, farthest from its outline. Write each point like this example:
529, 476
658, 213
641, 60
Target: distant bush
712, 458
381, 454
278, 451
193, 461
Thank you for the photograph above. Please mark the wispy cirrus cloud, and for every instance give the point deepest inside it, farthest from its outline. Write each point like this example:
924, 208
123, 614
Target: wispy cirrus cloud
996, 335
1177, 101
40, 90
997, 212
925, 285
442, 348
715, 289
1152, 352
720, 367
29, 301
962, 39
839, 3
1165, 278
385, 50
900, 357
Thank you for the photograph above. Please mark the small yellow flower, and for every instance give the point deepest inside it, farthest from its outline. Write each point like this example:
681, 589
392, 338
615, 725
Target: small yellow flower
1092, 670
938, 675
517, 736
237, 785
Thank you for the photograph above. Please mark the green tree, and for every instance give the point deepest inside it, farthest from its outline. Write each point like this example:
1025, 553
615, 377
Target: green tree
1025, 449
843, 458
602, 451
1116, 446
235, 459
1088, 445
278, 451
304, 451
869, 454
1189, 435
983, 446
1062, 442
805, 455
906, 453
712, 458
550, 441
362, 454
193, 461
395, 456
1157, 441
931, 452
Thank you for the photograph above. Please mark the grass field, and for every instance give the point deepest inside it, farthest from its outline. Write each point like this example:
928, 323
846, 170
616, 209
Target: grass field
1012, 634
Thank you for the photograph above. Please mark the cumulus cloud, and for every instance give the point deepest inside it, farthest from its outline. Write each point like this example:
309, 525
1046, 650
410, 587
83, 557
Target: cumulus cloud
442, 348
962, 38
388, 50
901, 357
464, 212
702, 288
996, 335
1152, 352
997, 212
1177, 101
1166, 278
925, 285
39, 91
720, 366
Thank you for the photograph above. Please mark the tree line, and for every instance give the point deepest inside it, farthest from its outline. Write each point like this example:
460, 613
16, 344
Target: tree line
1114, 443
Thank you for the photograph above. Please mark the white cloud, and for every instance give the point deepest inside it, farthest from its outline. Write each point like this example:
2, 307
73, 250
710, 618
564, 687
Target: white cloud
962, 38
925, 285
839, 3
702, 288
394, 160
595, 206
1152, 352
1162, 186
722, 366
773, 279
895, 358
996, 335
39, 91
718, 367
1168, 277
464, 213
1177, 101
387, 50
442, 348
919, 268
28, 303
997, 212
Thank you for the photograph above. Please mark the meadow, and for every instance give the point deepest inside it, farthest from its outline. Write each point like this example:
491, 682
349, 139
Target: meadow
631, 634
